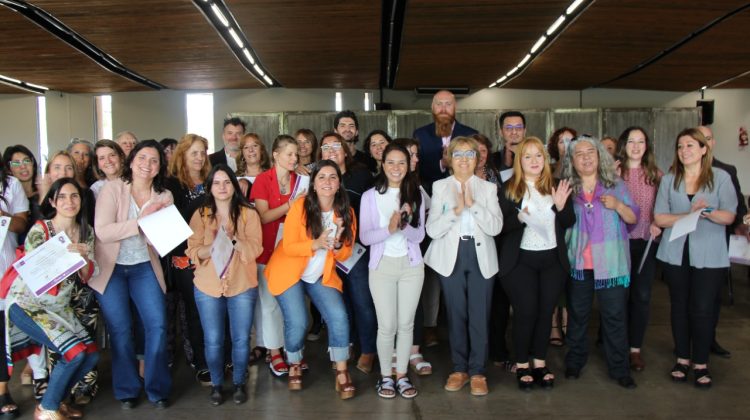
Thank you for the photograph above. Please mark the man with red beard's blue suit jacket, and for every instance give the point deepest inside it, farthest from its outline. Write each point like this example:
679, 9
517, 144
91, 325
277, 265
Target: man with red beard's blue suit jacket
431, 151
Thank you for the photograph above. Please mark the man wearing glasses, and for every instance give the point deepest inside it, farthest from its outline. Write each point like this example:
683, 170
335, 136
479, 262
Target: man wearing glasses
434, 138
512, 132
346, 125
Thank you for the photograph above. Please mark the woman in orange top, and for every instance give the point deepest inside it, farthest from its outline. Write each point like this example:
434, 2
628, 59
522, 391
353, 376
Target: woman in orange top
319, 231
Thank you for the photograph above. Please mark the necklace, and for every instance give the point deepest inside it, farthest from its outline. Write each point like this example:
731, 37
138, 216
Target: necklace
284, 186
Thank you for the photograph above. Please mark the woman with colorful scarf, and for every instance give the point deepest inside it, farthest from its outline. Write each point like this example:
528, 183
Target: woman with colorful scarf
599, 256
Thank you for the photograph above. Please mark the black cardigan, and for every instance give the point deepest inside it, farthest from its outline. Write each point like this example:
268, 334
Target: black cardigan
509, 243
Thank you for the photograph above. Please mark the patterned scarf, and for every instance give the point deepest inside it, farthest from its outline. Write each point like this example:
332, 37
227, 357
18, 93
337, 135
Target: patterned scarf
606, 232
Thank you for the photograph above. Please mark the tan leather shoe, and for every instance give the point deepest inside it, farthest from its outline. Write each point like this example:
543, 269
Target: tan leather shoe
70, 411
636, 362
479, 385
42, 414
456, 381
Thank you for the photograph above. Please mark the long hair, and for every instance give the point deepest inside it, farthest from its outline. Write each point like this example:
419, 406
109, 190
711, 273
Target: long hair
706, 176
50, 212
89, 173
8, 156
605, 172
112, 145
341, 207
265, 160
178, 168
407, 143
347, 155
648, 161
554, 139
55, 156
161, 176
237, 202
517, 188
310, 136
409, 192
368, 139
484, 141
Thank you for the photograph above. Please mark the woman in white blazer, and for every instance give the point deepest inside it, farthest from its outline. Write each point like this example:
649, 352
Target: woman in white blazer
464, 217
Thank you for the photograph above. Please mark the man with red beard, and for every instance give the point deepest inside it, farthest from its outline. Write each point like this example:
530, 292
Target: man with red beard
434, 138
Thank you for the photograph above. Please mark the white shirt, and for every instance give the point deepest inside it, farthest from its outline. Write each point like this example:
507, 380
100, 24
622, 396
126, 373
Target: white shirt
395, 245
315, 266
231, 162
540, 208
466, 218
133, 250
15, 202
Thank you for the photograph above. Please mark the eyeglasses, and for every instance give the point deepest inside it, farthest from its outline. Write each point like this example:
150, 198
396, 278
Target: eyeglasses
330, 147
17, 163
466, 154
510, 127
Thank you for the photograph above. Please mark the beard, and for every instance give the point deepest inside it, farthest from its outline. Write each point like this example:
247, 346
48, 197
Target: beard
443, 124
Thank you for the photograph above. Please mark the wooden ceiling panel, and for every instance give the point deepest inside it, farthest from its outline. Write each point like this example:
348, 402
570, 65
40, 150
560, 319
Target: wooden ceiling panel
709, 59
469, 43
315, 44
167, 41
31, 54
611, 37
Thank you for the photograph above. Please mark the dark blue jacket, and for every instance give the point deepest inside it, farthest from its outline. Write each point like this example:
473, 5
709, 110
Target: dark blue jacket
431, 151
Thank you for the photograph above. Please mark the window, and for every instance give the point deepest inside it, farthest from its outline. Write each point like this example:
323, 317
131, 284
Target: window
200, 116
338, 103
103, 105
367, 101
41, 121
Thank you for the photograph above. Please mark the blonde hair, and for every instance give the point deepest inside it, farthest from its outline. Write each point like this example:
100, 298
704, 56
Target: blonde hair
177, 167
517, 184
468, 141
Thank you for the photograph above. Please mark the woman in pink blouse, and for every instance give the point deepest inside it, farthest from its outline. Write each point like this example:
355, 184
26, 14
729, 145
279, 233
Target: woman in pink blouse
641, 175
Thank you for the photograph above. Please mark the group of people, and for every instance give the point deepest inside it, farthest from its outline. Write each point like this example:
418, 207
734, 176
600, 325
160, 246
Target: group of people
370, 239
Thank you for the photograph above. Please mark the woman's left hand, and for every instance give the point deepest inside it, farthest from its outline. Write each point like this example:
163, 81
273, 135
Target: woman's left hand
561, 193
610, 201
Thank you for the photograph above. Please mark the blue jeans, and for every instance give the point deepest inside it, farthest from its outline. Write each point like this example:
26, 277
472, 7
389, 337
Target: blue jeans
330, 303
213, 311
65, 373
139, 284
359, 305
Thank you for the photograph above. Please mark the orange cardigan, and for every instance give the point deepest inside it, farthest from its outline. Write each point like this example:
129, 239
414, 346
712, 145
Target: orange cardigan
294, 251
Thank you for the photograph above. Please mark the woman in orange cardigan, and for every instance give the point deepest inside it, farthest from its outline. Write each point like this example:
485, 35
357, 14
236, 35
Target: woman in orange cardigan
319, 231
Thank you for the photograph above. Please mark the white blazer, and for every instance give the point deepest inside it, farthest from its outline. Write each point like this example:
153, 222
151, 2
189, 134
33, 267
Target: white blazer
444, 226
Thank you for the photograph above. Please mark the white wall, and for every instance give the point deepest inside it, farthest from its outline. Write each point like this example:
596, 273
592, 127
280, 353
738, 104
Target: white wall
158, 114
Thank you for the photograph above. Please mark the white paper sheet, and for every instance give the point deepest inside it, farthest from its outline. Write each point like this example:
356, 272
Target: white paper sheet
685, 225
4, 225
357, 252
165, 229
301, 186
739, 250
279, 235
506, 174
222, 252
49, 264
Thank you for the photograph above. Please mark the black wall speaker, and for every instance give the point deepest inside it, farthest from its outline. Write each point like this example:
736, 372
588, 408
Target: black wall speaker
707, 111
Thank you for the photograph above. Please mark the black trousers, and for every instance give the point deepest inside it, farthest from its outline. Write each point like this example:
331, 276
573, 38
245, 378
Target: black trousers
534, 287
613, 311
468, 297
183, 282
499, 316
639, 298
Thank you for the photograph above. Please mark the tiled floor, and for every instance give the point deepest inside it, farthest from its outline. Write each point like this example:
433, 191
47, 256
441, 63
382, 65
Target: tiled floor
592, 396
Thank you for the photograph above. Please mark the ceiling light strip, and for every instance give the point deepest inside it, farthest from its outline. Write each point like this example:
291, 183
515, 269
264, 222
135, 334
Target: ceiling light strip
29, 87
545, 40
222, 19
54, 26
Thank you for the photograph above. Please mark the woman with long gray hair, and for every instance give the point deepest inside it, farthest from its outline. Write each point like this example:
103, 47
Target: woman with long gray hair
599, 256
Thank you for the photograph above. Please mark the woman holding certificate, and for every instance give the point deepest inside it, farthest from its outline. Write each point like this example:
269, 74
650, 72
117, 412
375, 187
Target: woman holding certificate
319, 231
695, 263
49, 319
225, 288
130, 270
392, 224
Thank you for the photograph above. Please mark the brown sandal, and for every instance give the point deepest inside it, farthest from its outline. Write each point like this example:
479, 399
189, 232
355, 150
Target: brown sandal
346, 389
295, 377
365, 362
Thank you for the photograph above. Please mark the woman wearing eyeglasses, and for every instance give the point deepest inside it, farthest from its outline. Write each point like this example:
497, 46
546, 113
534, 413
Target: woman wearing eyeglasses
464, 218
21, 163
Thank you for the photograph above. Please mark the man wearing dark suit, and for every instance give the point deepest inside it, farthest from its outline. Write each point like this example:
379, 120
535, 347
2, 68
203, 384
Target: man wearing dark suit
234, 129
737, 227
434, 138
512, 132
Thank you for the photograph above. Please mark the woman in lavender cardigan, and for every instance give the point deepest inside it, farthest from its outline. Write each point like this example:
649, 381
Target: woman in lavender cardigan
392, 223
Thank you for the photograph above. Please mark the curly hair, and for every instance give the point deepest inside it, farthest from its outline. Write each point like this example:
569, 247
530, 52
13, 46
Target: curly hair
178, 168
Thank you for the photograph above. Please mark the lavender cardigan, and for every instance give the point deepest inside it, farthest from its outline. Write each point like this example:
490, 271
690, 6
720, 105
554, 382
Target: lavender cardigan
370, 232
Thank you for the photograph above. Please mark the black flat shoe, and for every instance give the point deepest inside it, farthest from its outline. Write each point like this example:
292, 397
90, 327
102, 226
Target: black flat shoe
128, 403
701, 374
539, 374
627, 382
240, 395
720, 351
161, 404
572, 373
216, 398
524, 385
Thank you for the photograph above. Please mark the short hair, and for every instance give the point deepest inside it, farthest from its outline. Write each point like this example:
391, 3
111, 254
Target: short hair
234, 121
345, 114
281, 141
508, 114
112, 145
167, 142
458, 141
122, 133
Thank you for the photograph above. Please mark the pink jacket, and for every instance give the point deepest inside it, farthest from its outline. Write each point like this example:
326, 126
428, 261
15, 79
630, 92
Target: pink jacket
111, 225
